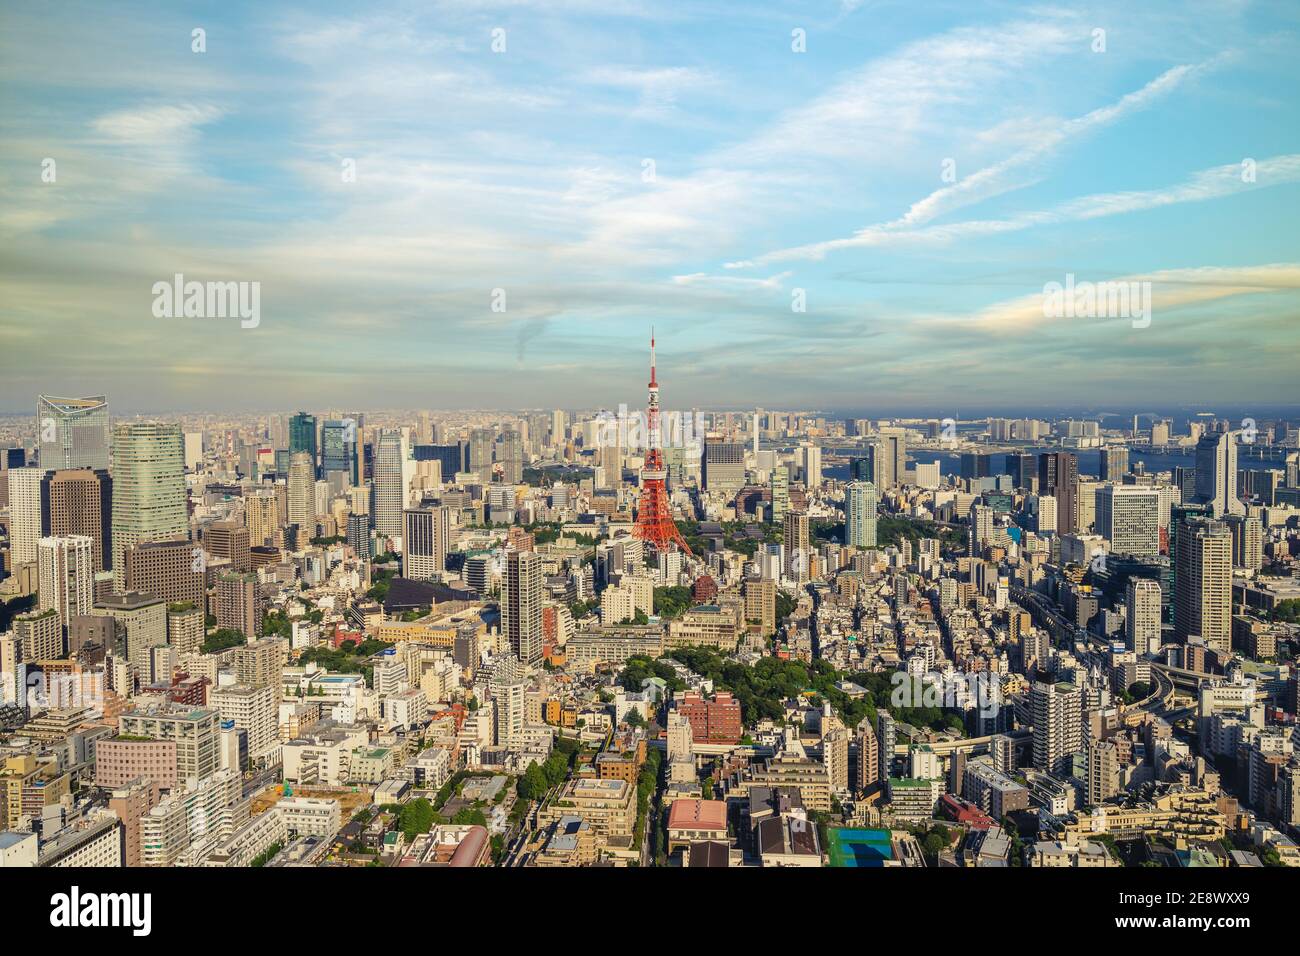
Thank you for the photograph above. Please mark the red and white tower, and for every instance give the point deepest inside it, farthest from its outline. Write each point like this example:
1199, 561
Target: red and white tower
654, 518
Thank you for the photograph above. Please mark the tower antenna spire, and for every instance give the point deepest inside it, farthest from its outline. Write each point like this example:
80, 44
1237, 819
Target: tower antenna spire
654, 518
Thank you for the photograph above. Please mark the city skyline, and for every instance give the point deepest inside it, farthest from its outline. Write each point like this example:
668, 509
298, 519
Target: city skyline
922, 179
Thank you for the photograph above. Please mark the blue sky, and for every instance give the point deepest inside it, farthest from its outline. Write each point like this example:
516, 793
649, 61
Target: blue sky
527, 170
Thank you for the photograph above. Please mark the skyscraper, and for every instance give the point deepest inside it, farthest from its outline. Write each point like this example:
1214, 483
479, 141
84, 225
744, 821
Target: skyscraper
860, 504
388, 493
302, 497
481, 442
512, 456
798, 549
1142, 618
339, 448
780, 492
1022, 469
1247, 541
1128, 516
149, 497
1113, 464
976, 465
1216, 474
425, 542
24, 514
66, 574
521, 605
1203, 584
72, 432
1056, 710
980, 531
1058, 476
890, 451
79, 501
723, 466
302, 436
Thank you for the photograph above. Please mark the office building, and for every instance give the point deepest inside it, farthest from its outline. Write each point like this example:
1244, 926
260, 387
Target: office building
1216, 474
231, 541
425, 541
175, 571
149, 496
798, 546
1203, 584
1142, 615
66, 574
302, 496
860, 510
1128, 516
1058, 476
79, 501
388, 488
724, 466
521, 605
72, 432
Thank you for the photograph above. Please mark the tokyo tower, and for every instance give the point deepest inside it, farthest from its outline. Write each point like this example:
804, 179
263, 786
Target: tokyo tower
654, 519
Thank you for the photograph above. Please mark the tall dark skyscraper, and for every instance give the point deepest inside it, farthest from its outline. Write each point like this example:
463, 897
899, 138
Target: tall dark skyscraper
1058, 476
1022, 469
302, 436
976, 465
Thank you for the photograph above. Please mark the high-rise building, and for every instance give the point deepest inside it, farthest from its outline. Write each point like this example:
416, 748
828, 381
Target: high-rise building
262, 518
521, 605
976, 465
860, 504
1058, 476
240, 604
511, 456
359, 535
780, 492
175, 571
149, 496
143, 618
1216, 474
425, 543
724, 466
24, 514
1247, 541
339, 448
229, 540
72, 432
798, 547
891, 469
810, 464
1113, 463
1128, 516
1142, 615
1056, 709
79, 501
302, 437
1023, 469
38, 635
388, 491
302, 494
980, 532
481, 443
66, 573
1203, 584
